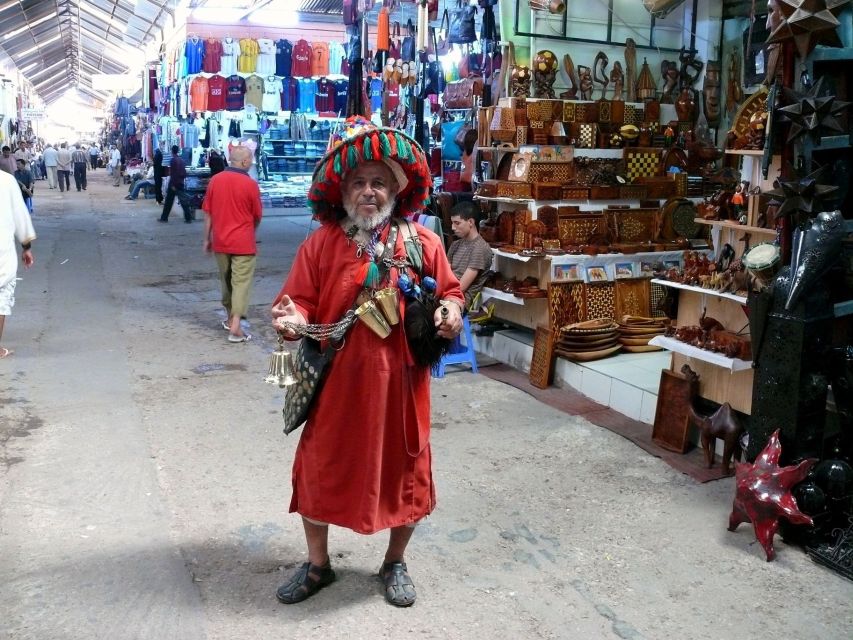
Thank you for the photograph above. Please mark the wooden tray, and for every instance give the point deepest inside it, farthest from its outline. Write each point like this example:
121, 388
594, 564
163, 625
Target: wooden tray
640, 349
675, 394
588, 356
542, 363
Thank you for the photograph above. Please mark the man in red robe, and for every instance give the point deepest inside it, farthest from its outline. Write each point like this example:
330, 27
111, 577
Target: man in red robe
364, 460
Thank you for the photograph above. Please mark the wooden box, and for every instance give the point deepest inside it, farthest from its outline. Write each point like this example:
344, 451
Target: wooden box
602, 192
551, 172
488, 189
658, 187
507, 189
575, 193
547, 191
632, 191
579, 229
675, 394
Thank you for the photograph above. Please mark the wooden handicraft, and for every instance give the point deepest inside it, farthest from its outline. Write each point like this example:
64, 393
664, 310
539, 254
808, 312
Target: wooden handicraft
641, 162
634, 225
566, 303
542, 363
600, 300
632, 297
520, 219
675, 396
580, 229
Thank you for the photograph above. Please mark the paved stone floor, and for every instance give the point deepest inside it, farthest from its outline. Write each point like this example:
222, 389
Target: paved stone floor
144, 480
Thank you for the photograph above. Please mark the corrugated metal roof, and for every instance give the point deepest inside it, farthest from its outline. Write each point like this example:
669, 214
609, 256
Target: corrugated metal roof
61, 44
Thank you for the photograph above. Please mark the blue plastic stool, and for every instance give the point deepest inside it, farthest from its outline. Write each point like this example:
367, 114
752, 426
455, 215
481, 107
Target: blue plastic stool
459, 353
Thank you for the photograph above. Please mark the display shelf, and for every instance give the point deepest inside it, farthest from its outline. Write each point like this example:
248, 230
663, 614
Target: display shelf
316, 157
497, 294
711, 357
745, 152
512, 256
499, 149
709, 292
728, 224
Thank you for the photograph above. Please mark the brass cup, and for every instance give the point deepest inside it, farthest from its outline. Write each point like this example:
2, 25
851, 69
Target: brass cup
370, 315
388, 302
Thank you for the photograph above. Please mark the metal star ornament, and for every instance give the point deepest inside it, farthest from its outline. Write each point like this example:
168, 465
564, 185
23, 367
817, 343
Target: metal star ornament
763, 494
801, 194
812, 114
808, 23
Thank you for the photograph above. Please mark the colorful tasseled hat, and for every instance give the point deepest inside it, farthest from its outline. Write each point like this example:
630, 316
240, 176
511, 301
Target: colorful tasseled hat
359, 140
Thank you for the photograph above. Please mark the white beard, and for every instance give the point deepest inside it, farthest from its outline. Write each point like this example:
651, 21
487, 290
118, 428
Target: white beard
369, 223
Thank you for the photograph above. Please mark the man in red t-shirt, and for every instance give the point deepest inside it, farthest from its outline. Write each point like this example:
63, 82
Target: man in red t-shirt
232, 207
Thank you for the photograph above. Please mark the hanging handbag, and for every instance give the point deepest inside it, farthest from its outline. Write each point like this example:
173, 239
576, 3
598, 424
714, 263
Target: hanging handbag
394, 51
462, 28
432, 8
311, 365
443, 46
407, 50
449, 149
462, 93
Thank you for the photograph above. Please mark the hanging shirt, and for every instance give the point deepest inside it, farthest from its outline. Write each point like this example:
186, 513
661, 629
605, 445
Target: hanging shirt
336, 57
319, 59
212, 56
199, 91
272, 95
255, 91
250, 119
324, 99
190, 134
283, 53
301, 67
248, 56
234, 92
228, 61
266, 57
217, 87
376, 94
289, 94
341, 89
194, 53
307, 89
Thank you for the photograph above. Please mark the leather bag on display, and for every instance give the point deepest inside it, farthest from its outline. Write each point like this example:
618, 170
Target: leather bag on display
407, 49
462, 27
462, 93
443, 46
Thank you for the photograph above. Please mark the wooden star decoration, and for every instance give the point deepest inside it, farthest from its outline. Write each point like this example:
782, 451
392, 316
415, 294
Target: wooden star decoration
763, 494
810, 113
801, 194
809, 23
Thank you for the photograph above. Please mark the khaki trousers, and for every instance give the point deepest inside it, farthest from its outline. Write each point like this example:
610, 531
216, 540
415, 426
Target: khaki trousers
51, 177
235, 278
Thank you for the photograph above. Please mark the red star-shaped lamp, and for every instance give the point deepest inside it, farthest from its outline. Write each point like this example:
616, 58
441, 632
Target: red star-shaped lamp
763, 494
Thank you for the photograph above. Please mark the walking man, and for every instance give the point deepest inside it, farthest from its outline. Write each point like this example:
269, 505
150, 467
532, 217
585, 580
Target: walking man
80, 162
63, 167
94, 153
232, 207
366, 465
25, 182
115, 165
50, 162
7, 161
158, 172
177, 176
16, 227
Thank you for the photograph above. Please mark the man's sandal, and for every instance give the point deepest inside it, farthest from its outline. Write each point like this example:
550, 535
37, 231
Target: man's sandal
303, 584
399, 588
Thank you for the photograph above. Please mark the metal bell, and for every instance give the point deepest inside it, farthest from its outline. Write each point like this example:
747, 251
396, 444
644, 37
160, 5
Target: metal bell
281, 368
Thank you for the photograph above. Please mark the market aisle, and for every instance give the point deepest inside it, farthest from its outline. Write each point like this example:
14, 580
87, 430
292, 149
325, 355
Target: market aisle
145, 481
85, 532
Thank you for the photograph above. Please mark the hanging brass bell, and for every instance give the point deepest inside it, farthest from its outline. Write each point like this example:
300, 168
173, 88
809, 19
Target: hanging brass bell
281, 368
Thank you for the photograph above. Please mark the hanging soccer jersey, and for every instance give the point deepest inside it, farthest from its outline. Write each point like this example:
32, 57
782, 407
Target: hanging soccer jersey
307, 89
212, 56
289, 94
255, 91
341, 89
230, 51
375, 94
194, 53
249, 121
272, 95
283, 53
248, 56
216, 88
235, 89
301, 67
336, 57
199, 91
319, 59
266, 57
324, 99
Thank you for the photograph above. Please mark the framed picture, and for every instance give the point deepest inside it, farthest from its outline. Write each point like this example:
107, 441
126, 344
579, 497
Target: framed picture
565, 273
596, 274
755, 52
647, 269
624, 270
672, 264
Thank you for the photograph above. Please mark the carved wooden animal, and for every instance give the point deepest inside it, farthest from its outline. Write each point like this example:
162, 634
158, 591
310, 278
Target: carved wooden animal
721, 424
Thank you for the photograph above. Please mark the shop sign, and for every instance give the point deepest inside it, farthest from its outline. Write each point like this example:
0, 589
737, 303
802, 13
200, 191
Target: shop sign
33, 114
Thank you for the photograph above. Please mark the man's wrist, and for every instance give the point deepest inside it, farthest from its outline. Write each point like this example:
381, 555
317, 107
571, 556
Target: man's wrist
449, 301
26, 246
